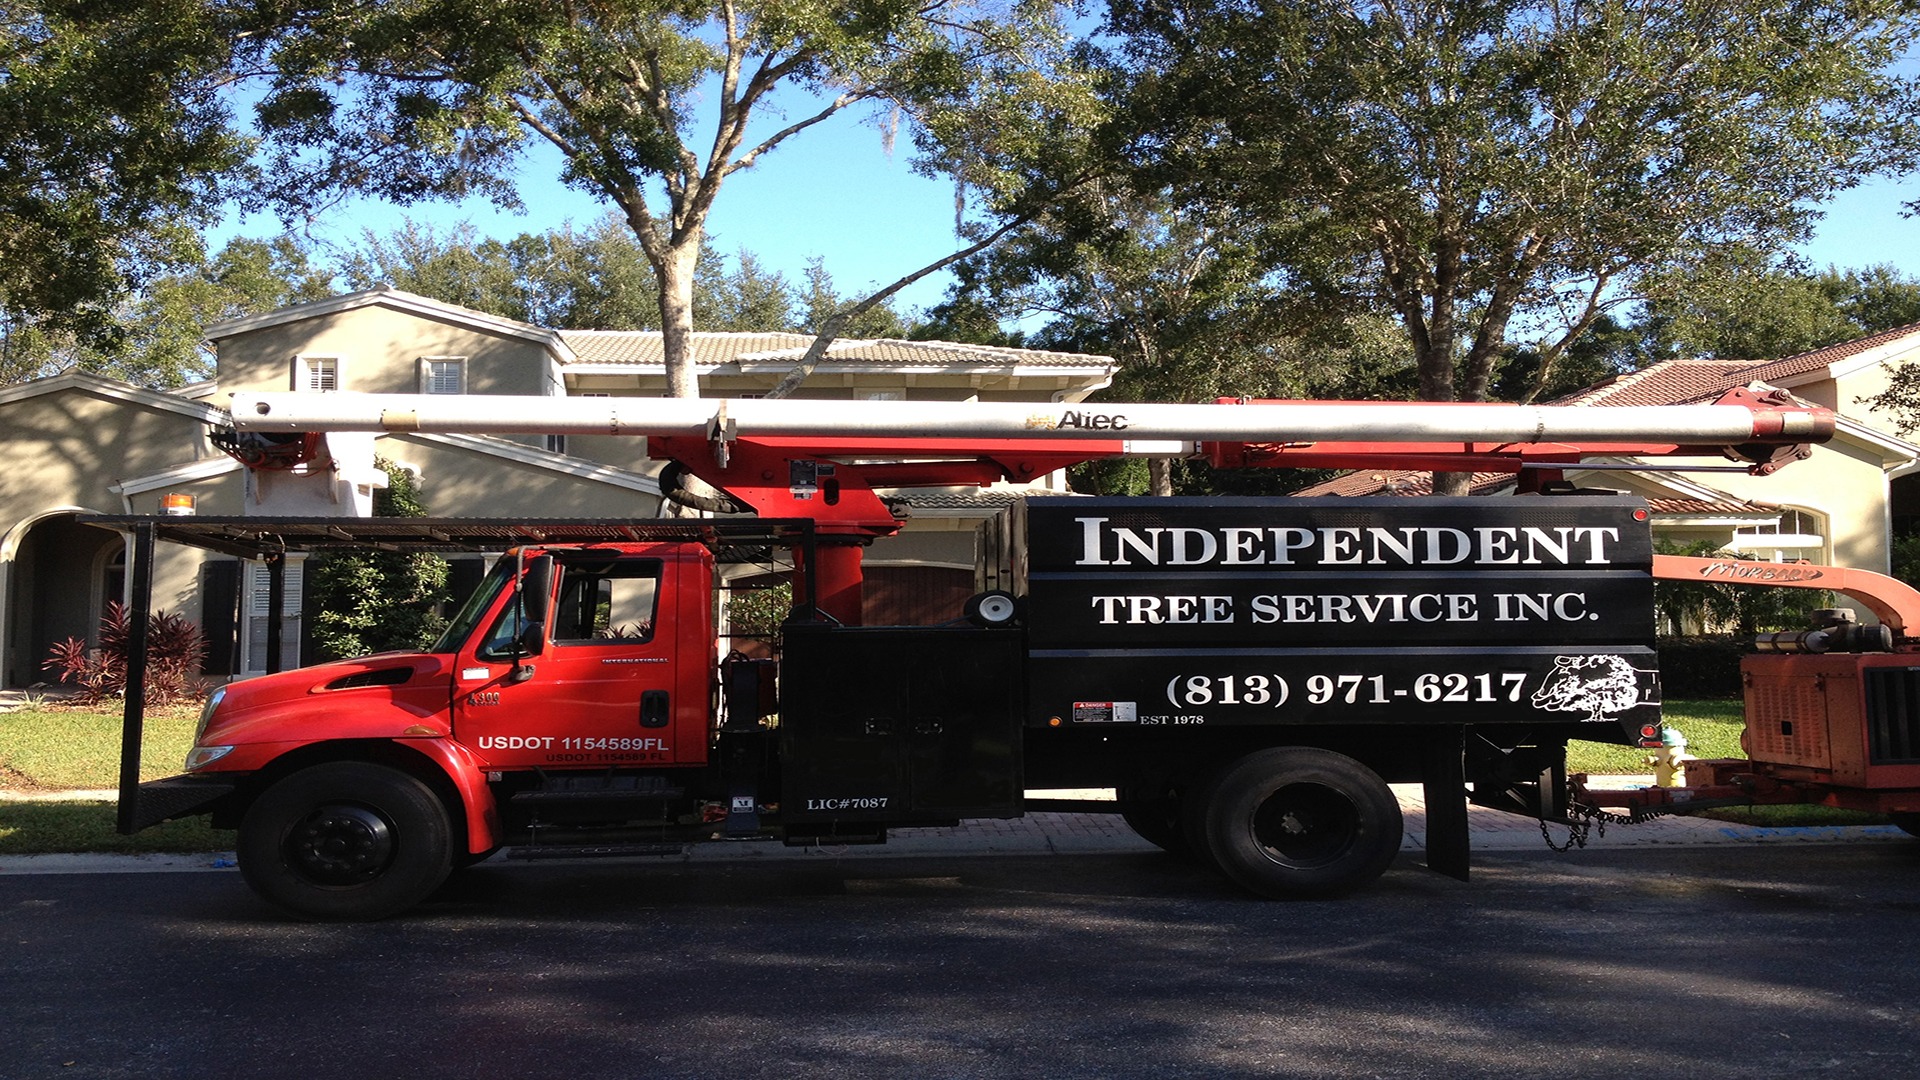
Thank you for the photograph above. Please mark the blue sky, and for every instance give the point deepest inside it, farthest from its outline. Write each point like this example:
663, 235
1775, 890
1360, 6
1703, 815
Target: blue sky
1864, 227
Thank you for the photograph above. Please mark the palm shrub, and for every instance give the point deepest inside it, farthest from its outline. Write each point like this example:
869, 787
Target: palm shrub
175, 648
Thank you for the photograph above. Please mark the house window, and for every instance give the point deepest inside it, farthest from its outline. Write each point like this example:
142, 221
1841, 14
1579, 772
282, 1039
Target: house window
257, 613
443, 375
879, 395
316, 374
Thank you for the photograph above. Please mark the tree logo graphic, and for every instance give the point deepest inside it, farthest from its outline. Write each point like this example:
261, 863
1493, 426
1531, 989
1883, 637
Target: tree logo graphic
1596, 685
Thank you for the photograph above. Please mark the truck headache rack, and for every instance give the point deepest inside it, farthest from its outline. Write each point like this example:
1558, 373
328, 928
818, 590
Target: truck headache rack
740, 540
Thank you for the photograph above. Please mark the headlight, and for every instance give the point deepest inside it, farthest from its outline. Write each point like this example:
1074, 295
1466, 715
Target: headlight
206, 711
202, 756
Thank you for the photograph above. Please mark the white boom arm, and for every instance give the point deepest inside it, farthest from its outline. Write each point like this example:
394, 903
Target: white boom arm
1250, 422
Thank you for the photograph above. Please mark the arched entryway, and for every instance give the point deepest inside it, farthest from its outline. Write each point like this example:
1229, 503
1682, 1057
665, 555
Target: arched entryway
60, 576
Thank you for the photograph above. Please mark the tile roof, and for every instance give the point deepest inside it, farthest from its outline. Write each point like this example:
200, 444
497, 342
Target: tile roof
1710, 508
960, 500
1832, 354
643, 348
1680, 382
1400, 482
1669, 382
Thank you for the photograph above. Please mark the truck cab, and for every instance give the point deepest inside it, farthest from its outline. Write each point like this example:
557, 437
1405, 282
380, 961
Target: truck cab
561, 657
588, 656
575, 689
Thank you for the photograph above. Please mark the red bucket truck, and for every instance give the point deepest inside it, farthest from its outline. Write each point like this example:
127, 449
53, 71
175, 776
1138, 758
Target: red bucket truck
1249, 675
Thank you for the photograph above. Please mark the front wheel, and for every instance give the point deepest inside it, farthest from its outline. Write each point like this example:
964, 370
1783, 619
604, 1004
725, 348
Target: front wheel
1300, 822
346, 841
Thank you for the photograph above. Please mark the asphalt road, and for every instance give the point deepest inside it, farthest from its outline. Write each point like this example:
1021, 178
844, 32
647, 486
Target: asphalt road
1704, 962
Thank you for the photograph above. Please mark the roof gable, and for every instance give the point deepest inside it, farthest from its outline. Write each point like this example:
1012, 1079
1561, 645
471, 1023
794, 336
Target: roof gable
112, 389
397, 300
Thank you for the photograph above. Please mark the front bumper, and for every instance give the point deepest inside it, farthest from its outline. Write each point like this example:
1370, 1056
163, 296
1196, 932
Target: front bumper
175, 797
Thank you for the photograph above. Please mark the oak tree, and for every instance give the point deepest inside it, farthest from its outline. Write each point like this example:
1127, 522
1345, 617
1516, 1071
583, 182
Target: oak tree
113, 143
652, 105
1485, 168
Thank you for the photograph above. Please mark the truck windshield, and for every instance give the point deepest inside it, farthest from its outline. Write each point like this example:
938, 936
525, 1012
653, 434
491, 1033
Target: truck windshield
470, 613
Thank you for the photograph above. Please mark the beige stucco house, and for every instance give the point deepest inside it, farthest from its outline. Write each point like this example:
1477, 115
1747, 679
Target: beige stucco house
1839, 507
81, 444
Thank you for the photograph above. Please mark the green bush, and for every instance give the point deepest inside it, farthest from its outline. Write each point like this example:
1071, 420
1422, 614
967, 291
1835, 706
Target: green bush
369, 602
1700, 667
756, 614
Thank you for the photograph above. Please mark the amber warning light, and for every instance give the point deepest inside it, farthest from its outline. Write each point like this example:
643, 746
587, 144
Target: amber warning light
174, 504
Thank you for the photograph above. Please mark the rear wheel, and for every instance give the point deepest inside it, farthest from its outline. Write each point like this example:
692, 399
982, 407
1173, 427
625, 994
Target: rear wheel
1299, 822
346, 840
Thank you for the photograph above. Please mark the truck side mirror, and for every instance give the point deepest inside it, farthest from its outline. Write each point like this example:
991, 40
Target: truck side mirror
532, 640
536, 587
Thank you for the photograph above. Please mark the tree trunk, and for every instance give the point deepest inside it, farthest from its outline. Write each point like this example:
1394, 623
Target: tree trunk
1159, 476
676, 315
1435, 360
830, 330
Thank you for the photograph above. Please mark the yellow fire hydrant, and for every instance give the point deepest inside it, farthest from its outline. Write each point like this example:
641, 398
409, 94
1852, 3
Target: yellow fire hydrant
1669, 759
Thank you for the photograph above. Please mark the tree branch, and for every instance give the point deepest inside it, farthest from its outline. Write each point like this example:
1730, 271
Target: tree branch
830, 330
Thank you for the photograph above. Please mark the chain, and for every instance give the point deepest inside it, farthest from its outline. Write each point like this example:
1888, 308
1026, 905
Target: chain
1582, 819
1576, 834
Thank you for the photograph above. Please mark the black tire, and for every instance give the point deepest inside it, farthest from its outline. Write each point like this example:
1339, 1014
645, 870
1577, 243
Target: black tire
346, 841
1296, 822
1151, 808
1907, 821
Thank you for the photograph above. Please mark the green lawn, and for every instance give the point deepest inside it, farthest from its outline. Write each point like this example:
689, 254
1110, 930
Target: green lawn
42, 828
56, 748
62, 748
1712, 729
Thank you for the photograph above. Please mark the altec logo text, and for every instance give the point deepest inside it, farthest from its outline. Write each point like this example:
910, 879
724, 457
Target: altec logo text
1080, 421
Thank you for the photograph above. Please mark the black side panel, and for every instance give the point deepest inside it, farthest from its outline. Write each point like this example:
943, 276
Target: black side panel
894, 725
1184, 614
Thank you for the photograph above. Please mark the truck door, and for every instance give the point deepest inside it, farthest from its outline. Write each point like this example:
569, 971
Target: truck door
600, 692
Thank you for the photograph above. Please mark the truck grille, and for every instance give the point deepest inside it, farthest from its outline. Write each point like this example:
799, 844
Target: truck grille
1893, 715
